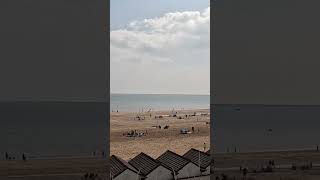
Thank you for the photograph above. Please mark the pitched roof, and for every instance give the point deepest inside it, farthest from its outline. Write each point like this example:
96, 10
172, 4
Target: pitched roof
119, 165
145, 163
173, 161
193, 155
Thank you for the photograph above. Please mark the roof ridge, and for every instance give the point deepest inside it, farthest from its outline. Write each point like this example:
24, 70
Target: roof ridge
122, 162
179, 155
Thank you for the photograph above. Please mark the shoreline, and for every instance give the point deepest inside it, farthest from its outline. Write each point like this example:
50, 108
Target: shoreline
163, 110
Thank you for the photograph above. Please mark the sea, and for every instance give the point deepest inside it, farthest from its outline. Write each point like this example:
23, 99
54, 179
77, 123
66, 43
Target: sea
155, 102
56, 129
53, 129
253, 127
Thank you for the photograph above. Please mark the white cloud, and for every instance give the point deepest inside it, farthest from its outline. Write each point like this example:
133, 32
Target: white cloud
162, 55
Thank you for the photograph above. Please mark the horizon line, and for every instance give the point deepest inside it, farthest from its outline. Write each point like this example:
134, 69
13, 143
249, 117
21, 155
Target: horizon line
159, 94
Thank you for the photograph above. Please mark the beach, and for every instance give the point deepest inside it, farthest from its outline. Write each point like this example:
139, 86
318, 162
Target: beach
230, 163
156, 141
55, 168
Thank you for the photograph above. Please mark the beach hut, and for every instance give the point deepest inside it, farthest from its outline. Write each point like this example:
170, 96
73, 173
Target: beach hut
201, 159
150, 169
122, 170
180, 166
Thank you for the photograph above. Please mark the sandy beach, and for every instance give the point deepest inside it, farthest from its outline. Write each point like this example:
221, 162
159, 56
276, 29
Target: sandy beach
156, 141
229, 164
58, 168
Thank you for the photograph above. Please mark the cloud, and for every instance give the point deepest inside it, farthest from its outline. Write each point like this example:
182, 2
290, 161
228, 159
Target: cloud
175, 44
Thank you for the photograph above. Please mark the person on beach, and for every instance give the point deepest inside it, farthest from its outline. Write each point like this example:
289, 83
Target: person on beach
204, 147
7, 156
245, 171
317, 147
24, 157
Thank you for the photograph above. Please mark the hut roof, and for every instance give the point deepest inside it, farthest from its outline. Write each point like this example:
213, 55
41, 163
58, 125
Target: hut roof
208, 152
145, 163
173, 161
119, 165
193, 155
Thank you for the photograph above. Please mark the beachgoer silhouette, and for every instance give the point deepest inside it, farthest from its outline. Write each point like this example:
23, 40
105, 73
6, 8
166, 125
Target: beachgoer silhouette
245, 171
192, 129
204, 147
24, 157
317, 147
102, 153
86, 175
7, 156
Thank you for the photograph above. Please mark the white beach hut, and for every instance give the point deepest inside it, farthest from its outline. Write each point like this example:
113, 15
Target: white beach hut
180, 166
150, 169
201, 159
121, 170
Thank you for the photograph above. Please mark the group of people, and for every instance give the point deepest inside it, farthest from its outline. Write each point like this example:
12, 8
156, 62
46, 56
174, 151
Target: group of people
134, 133
8, 157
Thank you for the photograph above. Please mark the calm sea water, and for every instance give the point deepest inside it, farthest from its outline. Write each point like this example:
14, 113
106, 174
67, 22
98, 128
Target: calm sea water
137, 102
42, 129
265, 127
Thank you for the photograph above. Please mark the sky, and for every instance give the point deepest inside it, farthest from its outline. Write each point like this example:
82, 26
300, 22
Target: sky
160, 47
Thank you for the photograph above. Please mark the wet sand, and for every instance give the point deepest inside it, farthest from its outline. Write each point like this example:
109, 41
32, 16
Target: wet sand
156, 141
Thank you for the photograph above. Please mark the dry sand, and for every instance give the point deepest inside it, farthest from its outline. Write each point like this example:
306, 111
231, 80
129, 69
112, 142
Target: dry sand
157, 141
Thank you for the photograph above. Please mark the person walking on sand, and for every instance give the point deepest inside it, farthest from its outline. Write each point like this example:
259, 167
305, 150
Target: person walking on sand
24, 157
245, 171
204, 147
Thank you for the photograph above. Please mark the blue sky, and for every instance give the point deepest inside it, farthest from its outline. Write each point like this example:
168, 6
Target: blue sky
160, 46
125, 11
